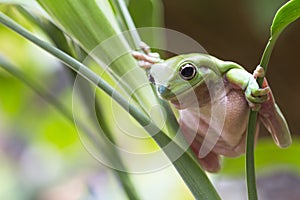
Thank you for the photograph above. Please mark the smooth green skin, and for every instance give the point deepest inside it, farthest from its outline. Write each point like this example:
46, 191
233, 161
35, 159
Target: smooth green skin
220, 85
171, 86
175, 85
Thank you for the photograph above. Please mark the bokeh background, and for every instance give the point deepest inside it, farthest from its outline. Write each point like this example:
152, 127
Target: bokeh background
41, 156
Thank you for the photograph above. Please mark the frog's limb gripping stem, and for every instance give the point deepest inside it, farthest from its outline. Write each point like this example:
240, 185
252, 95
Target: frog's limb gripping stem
145, 61
255, 95
145, 48
145, 58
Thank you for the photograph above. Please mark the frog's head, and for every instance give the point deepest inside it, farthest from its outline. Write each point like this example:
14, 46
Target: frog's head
181, 74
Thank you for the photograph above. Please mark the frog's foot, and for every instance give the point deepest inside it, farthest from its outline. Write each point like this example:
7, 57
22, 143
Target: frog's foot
255, 95
145, 61
145, 58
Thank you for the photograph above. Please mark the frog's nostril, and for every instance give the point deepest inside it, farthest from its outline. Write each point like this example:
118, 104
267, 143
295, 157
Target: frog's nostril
162, 90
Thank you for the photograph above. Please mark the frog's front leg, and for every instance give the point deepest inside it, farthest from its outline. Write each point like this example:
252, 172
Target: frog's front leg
255, 95
269, 113
146, 58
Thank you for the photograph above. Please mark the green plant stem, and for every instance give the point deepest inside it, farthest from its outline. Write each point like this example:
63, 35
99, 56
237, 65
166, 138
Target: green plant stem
51, 99
35, 87
123, 176
171, 121
266, 57
123, 12
250, 162
60, 41
68, 61
194, 176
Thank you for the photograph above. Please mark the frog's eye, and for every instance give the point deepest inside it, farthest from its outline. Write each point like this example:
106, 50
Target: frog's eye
187, 71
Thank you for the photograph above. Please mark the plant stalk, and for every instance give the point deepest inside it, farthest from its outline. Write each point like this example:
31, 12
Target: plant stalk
123, 12
250, 161
199, 185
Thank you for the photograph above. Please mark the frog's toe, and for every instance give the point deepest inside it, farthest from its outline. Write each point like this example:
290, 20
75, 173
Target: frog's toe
144, 60
256, 99
141, 60
137, 55
154, 55
260, 92
150, 58
143, 64
145, 48
256, 95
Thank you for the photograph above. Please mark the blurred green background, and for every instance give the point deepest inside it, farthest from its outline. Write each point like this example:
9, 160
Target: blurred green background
42, 157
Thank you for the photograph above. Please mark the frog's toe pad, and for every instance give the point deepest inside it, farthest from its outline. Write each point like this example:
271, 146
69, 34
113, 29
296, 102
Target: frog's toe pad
260, 92
150, 59
144, 64
145, 48
257, 96
257, 99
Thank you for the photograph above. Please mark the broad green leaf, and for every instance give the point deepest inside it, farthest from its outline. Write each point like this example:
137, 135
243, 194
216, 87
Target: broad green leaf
51, 126
187, 166
287, 14
53, 32
91, 23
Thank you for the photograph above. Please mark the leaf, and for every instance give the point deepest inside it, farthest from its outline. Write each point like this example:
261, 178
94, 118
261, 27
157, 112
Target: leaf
187, 166
64, 111
287, 14
91, 24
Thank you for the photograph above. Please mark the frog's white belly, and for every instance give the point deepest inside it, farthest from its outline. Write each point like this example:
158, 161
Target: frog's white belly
223, 124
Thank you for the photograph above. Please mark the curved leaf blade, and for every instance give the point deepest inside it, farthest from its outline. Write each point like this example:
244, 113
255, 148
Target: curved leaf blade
287, 14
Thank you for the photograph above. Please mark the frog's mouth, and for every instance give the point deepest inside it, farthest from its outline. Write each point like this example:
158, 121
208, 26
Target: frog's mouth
185, 97
166, 93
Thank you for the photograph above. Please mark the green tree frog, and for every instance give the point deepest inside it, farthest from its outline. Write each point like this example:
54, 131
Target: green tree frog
214, 98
